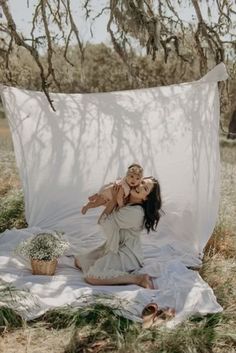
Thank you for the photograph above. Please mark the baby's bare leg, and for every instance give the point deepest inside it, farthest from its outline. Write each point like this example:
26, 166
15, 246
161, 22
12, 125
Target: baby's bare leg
93, 197
99, 201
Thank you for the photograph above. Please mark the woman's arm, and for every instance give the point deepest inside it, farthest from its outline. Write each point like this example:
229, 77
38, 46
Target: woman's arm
110, 229
127, 217
111, 204
109, 208
120, 197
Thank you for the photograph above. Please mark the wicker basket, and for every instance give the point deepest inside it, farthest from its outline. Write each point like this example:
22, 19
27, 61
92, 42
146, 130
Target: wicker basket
41, 267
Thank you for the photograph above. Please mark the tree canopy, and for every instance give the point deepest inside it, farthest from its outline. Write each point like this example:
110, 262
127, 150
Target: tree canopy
158, 26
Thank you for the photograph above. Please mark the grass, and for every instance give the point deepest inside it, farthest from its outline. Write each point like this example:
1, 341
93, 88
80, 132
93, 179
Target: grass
97, 328
9, 319
9, 300
12, 211
221, 242
224, 142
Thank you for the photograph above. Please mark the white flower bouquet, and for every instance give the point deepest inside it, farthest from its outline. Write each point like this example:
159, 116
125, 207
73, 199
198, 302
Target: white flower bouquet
43, 246
43, 249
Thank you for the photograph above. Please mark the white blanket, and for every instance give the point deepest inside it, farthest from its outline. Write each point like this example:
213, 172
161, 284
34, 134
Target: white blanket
90, 140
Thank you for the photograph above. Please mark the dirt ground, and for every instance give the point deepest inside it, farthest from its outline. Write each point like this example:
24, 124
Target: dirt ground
4, 129
35, 340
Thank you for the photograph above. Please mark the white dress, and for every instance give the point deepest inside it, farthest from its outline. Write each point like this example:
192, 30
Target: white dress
121, 253
106, 190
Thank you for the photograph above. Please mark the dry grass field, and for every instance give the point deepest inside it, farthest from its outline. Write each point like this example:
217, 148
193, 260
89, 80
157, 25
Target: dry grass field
101, 330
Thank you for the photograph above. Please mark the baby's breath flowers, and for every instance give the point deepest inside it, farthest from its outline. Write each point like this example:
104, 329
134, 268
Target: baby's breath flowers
43, 246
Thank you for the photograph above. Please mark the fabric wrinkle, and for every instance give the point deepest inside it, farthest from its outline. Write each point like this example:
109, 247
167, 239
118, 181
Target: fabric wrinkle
121, 253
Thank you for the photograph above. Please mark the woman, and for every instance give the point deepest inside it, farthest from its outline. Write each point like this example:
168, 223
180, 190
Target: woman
120, 257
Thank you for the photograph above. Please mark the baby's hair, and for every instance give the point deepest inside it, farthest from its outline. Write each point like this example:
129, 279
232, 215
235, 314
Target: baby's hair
135, 169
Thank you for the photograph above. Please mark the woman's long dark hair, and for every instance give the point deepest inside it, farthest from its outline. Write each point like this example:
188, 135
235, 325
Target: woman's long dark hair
152, 207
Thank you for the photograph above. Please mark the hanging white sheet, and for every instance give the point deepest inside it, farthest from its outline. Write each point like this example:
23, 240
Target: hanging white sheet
66, 155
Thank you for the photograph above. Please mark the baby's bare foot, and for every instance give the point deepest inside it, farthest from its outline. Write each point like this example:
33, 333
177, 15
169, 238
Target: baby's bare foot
84, 209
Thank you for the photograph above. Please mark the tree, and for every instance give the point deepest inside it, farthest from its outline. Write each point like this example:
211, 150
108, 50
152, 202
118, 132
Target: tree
157, 25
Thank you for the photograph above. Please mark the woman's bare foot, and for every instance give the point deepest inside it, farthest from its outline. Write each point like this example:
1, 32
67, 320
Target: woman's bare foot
146, 281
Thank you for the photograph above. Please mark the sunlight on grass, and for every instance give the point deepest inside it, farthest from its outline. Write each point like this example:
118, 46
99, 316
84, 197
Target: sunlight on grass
12, 211
222, 241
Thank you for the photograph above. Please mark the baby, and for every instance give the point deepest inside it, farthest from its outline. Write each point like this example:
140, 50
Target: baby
132, 180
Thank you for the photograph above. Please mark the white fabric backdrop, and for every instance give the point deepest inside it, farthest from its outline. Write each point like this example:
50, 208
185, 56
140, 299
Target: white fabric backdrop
90, 140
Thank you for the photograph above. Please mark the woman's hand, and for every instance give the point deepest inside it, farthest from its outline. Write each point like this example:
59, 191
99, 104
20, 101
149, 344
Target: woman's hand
115, 190
112, 203
108, 209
